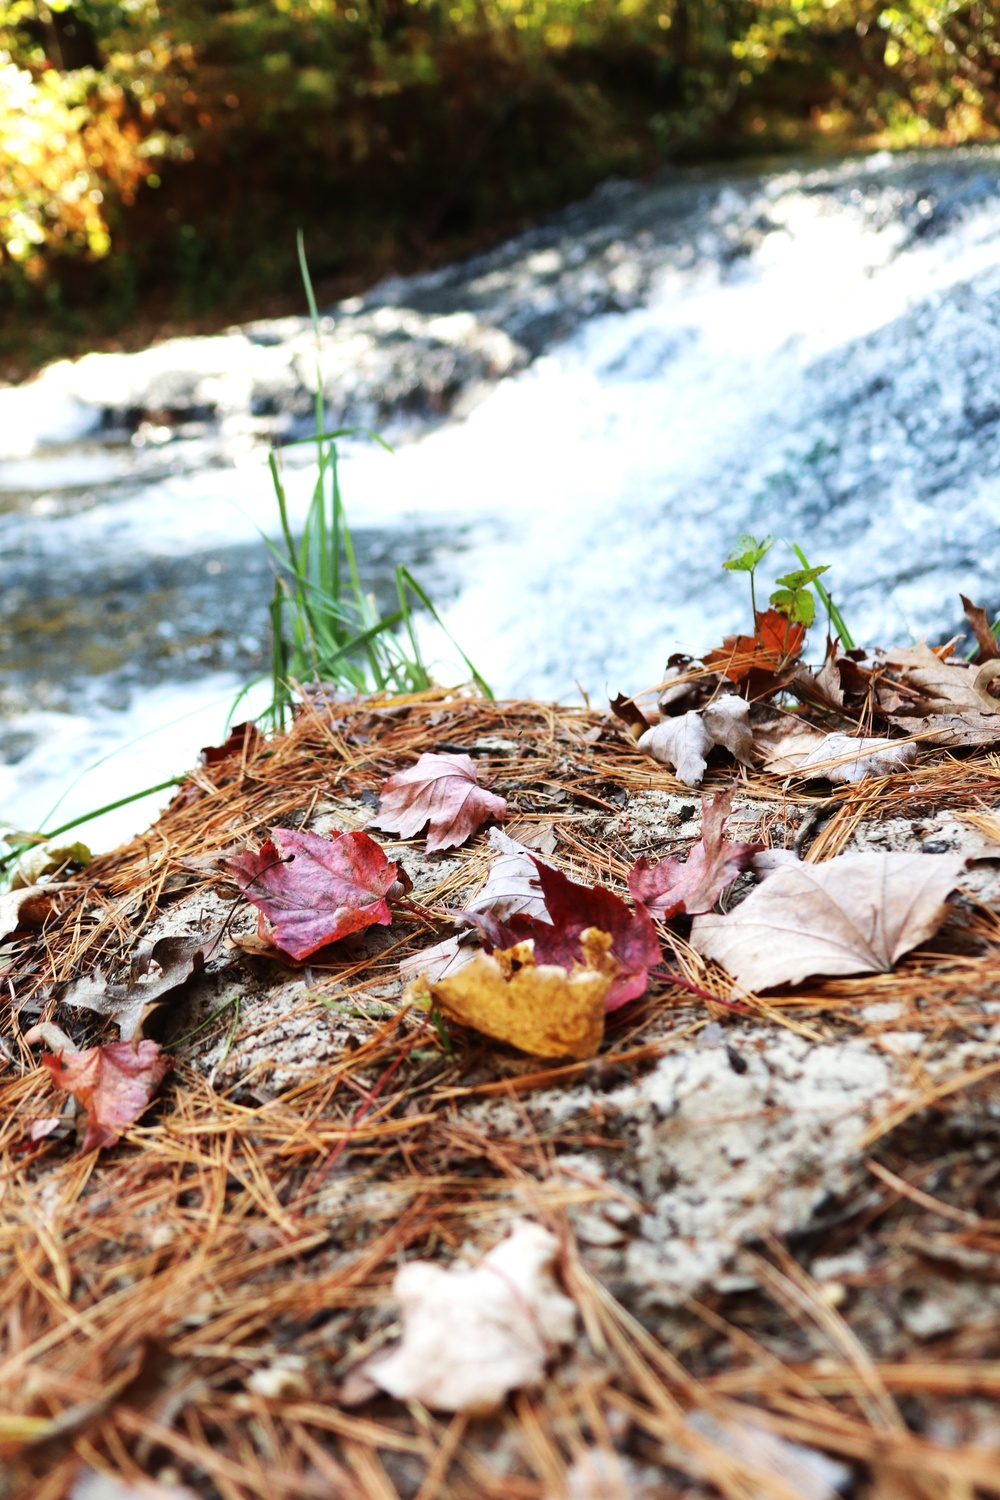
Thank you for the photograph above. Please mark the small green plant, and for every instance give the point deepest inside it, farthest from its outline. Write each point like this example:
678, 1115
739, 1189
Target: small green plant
838, 626
744, 558
324, 626
793, 598
792, 595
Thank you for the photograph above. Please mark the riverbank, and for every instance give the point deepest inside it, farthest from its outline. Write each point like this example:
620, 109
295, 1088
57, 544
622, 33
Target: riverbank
776, 1223
583, 420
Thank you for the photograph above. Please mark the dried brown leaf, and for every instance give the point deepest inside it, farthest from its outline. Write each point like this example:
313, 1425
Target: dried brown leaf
855, 914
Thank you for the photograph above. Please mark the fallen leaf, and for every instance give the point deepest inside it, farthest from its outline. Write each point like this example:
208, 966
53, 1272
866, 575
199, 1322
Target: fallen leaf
945, 686
243, 739
512, 881
694, 886
684, 742
472, 1334
157, 969
542, 1008
829, 679
46, 859
311, 890
771, 650
952, 731
630, 714
511, 888
25, 907
840, 758
942, 702
981, 629
446, 957
441, 790
676, 687
572, 909
855, 914
114, 1083
784, 744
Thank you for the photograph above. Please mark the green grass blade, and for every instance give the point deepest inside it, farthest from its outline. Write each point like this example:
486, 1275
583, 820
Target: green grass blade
836, 618
404, 574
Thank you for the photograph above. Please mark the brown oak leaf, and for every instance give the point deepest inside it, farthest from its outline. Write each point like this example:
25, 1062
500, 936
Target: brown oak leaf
759, 660
311, 890
981, 629
441, 790
855, 914
114, 1083
694, 886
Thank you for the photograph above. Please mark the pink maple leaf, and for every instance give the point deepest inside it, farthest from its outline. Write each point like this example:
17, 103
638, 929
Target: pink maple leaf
114, 1083
441, 790
694, 886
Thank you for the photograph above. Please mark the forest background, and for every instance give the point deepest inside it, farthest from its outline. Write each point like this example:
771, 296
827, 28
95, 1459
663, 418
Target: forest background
157, 156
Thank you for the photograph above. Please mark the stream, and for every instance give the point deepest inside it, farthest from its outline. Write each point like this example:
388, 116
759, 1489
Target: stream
582, 419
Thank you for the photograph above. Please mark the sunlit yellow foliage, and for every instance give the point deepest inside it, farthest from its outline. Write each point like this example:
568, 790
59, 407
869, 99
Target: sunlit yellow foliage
63, 145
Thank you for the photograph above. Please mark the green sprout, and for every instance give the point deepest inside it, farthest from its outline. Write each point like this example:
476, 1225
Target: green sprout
744, 558
793, 597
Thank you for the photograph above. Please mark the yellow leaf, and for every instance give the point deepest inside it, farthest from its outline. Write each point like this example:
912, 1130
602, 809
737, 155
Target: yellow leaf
539, 1008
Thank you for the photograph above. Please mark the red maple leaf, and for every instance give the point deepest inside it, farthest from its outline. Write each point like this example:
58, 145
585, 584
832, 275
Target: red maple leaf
242, 738
442, 790
310, 890
669, 887
114, 1083
572, 909
770, 651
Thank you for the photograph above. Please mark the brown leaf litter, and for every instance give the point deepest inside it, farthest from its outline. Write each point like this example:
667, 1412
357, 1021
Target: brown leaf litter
770, 1233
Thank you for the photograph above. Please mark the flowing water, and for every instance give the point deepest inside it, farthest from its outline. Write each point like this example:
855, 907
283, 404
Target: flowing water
583, 421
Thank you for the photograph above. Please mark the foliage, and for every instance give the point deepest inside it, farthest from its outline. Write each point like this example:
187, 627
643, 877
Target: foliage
792, 597
65, 141
141, 131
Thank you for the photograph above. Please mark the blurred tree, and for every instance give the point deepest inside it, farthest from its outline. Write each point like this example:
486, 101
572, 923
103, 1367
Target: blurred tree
183, 140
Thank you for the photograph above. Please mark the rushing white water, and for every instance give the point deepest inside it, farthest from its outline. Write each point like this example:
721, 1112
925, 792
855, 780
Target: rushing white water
836, 383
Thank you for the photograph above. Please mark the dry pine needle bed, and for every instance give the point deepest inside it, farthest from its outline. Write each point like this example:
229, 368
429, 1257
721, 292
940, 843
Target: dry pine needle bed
765, 1226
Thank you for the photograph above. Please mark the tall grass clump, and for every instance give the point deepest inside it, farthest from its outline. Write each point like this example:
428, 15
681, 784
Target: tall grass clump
325, 627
